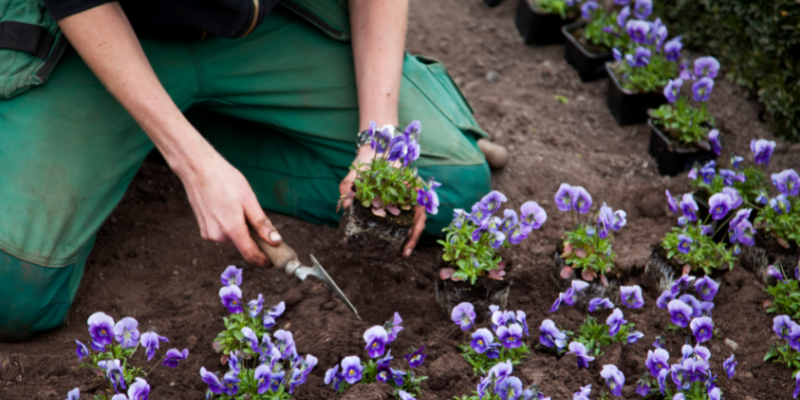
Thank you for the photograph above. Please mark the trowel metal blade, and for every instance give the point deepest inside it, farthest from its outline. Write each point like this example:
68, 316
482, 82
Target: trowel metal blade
320, 273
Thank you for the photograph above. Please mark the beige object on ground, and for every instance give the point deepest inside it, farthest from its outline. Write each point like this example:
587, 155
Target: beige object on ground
496, 155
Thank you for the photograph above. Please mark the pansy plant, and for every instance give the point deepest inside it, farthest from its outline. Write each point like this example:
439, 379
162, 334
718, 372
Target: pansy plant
593, 334
560, 7
473, 239
785, 292
587, 246
780, 216
786, 351
261, 365
378, 366
389, 183
689, 377
745, 177
691, 243
484, 347
498, 383
649, 60
607, 27
112, 354
685, 118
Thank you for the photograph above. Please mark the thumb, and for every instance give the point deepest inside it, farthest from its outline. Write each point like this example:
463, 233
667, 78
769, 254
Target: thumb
261, 224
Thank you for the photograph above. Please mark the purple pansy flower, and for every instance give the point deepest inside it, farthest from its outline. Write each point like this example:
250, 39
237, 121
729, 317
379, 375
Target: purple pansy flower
482, 339
713, 138
416, 358
643, 8
101, 329
351, 369
284, 341
404, 395
617, 54
333, 377
150, 342
673, 89
376, 339
533, 216
706, 67
672, 49
702, 88
139, 390
643, 388
762, 150
614, 322
728, 175
114, 373
691, 301
231, 297
81, 351
689, 207
719, 204
780, 204
523, 321
492, 202
510, 336
684, 244
787, 182
745, 233
640, 58
706, 230
581, 200
638, 30
632, 296
264, 376
126, 332
702, 329
579, 350
463, 315
736, 198
551, 336
796, 386
75, 394
571, 295
428, 198
232, 276
623, 15
510, 388
254, 307
251, 338
564, 197
665, 297
782, 325
587, 8
680, 313
600, 304
615, 379
634, 337
673, 202
706, 288
173, 356
393, 327
657, 360
214, 384
730, 367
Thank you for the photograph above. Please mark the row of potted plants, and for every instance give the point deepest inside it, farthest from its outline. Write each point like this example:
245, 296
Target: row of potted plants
649, 79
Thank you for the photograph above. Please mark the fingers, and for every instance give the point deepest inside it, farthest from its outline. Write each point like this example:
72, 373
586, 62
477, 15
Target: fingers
260, 223
347, 186
416, 231
247, 246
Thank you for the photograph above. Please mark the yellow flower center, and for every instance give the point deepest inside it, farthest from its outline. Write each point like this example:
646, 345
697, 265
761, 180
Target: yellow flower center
352, 372
375, 344
480, 342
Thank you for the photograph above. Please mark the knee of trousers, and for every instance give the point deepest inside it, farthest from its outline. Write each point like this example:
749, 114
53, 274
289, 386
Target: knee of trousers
462, 186
35, 298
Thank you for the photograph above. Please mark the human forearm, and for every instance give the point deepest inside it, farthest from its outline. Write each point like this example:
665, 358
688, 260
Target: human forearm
106, 42
379, 33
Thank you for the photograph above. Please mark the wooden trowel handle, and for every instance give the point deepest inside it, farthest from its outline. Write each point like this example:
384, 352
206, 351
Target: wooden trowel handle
280, 256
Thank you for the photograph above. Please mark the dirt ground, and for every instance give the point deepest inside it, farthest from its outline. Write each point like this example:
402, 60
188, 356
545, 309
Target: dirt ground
150, 262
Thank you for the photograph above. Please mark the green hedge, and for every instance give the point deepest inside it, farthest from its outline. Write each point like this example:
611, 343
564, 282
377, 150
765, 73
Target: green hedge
758, 44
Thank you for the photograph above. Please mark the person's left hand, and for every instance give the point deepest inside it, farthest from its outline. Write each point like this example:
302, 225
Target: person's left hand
365, 156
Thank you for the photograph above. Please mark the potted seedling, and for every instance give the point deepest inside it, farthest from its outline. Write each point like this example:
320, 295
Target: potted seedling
585, 251
386, 192
689, 248
639, 75
492, 3
778, 221
786, 351
589, 43
471, 269
262, 364
378, 368
682, 131
539, 22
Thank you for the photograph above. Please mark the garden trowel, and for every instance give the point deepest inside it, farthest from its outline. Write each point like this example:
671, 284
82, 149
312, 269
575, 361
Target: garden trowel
283, 256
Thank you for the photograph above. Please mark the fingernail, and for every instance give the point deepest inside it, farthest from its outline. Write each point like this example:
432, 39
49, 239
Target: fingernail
274, 236
407, 253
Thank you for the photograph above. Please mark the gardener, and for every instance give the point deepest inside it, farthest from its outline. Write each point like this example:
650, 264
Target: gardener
279, 108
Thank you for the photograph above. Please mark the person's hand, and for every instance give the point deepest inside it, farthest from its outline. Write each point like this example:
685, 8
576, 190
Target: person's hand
224, 204
365, 156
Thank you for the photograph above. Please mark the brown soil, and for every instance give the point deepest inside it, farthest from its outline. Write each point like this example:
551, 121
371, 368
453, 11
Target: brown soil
364, 231
150, 262
577, 33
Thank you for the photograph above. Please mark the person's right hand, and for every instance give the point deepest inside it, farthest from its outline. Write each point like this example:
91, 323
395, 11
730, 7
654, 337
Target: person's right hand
224, 204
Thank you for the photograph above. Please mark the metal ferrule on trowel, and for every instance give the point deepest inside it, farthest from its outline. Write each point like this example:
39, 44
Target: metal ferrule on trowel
282, 256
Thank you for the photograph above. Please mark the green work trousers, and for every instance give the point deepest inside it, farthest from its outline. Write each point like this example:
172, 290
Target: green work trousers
279, 104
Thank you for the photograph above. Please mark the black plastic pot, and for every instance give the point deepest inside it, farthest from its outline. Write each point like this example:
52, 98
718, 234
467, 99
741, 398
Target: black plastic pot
492, 3
537, 27
671, 159
590, 66
629, 107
